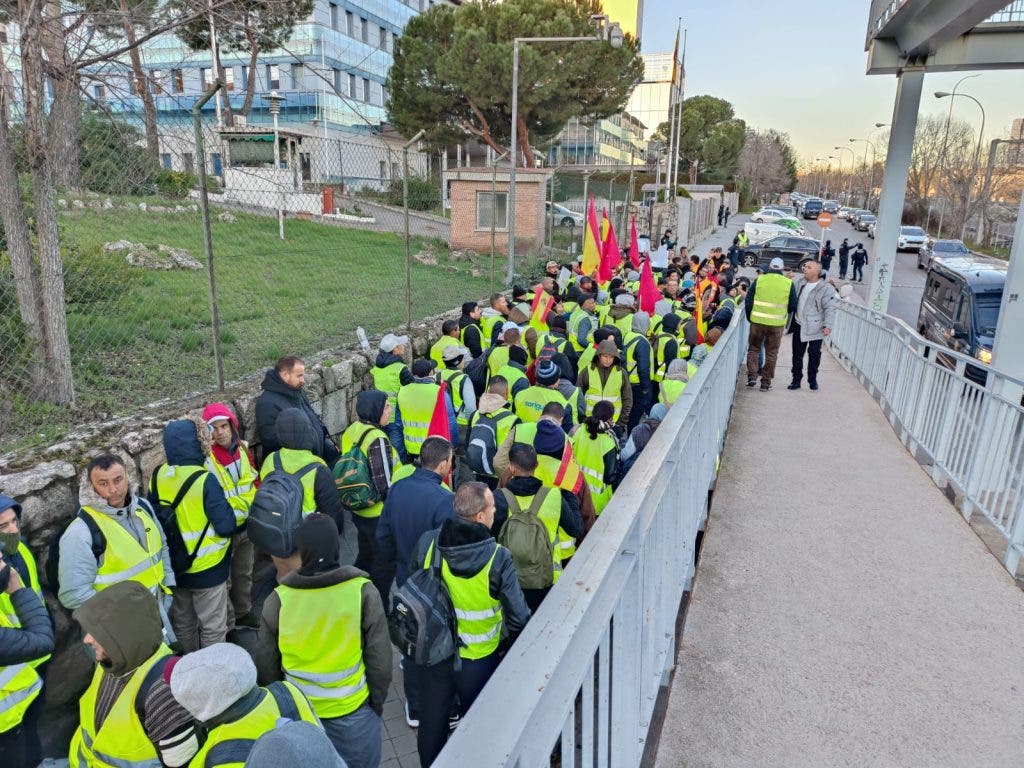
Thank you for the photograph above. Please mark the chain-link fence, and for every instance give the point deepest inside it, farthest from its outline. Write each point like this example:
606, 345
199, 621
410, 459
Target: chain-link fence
615, 192
308, 233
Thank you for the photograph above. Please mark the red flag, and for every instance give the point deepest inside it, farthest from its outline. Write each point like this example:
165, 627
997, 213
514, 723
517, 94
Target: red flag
439, 419
634, 245
611, 256
649, 293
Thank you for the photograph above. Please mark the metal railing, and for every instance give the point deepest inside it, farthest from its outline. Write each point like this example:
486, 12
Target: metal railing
960, 417
578, 687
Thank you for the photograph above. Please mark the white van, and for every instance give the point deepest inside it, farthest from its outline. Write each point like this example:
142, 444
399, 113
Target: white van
759, 233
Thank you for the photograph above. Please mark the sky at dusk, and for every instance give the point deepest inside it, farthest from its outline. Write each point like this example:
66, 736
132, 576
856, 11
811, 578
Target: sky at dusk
799, 67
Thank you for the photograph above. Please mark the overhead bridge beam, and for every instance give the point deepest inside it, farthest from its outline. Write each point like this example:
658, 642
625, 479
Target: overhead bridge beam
979, 50
920, 27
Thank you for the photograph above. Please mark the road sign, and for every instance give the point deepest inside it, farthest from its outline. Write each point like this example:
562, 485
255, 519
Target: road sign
824, 219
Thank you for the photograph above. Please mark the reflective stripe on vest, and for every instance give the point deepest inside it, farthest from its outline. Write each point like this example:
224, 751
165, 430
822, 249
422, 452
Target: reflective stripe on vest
479, 625
125, 559
632, 343
456, 379
438, 348
497, 359
610, 390
239, 493
575, 320
487, 323
320, 639
191, 517
293, 460
660, 363
7, 606
530, 402
228, 745
416, 402
590, 453
121, 741
771, 299
389, 380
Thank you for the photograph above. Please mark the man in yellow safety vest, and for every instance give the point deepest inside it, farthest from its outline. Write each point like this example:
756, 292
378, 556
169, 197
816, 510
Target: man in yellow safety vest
770, 300
390, 374
416, 402
606, 379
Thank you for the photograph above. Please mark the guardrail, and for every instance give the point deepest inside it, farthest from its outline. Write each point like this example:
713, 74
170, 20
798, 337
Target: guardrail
578, 687
960, 417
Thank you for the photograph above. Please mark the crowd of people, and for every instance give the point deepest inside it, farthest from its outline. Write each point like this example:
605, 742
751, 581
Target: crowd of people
487, 462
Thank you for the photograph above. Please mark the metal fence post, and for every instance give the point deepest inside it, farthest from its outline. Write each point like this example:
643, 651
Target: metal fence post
204, 207
405, 208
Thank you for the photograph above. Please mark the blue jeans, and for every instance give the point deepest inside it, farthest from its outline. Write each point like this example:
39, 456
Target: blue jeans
356, 737
394, 433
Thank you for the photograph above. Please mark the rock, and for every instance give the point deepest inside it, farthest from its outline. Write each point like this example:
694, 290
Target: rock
158, 209
47, 496
119, 245
179, 209
129, 206
149, 460
62, 203
38, 478
360, 365
143, 207
342, 374
137, 441
245, 410
227, 218
194, 208
314, 383
78, 204
425, 258
420, 346
335, 411
476, 272
108, 204
96, 205
180, 256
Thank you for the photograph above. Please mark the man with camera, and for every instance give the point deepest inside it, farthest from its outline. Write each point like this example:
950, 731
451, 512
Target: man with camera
26, 641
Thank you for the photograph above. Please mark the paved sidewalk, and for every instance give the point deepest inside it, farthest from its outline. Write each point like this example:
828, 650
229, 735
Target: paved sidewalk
843, 613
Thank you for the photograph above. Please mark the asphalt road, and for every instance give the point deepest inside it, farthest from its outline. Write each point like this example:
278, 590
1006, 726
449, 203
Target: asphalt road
908, 280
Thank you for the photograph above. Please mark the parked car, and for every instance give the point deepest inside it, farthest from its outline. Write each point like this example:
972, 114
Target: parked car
759, 233
563, 216
792, 249
863, 220
831, 206
942, 248
960, 308
855, 216
811, 208
911, 239
844, 212
789, 210
768, 215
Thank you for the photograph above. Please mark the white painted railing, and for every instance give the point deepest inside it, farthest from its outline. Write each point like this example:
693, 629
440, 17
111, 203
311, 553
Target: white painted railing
971, 434
579, 686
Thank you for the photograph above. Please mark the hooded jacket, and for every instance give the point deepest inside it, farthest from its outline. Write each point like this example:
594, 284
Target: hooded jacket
376, 644
384, 359
182, 448
607, 347
35, 636
77, 566
471, 334
416, 504
369, 410
229, 457
297, 434
467, 547
276, 397
569, 521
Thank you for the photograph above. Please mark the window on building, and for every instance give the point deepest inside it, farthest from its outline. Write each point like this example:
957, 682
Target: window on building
366, 90
352, 86
383, 170
334, 16
364, 30
207, 76
156, 81
245, 77
350, 24
229, 78
383, 42
485, 206
273, 77
336, 80
178, 78
165, 160
188, 161
3, 33
298, 76
99, 92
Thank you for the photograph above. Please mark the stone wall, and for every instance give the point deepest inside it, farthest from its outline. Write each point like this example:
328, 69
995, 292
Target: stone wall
50, 485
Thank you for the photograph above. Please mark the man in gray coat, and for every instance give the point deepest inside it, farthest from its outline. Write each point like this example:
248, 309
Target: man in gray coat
814, 319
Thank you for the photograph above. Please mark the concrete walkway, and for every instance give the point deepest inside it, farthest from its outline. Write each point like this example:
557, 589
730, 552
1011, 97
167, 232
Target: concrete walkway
843, 613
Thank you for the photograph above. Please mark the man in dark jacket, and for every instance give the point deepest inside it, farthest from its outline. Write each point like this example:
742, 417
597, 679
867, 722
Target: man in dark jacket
522, 460
282, 388
26, 637
470, 554
415, 505
199, 611
325, 617
844, 258
469, 329
858, 258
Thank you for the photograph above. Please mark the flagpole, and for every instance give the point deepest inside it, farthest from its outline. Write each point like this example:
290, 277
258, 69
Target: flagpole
679, 114
672, 99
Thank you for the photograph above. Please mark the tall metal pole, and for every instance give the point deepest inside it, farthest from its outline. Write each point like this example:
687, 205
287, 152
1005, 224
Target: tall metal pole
204, 205
405, 206
215, 63
945, 135
514, 157
679, 115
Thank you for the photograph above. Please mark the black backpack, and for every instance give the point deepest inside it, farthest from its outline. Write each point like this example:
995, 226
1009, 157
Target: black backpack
276, 510
482, 443
181, 558
52, 567
422, 623
476, 369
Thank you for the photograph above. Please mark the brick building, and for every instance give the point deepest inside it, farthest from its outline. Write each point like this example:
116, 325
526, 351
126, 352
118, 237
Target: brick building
471, 208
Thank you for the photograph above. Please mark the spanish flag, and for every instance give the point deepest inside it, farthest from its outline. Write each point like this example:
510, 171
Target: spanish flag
591, 242
541, 307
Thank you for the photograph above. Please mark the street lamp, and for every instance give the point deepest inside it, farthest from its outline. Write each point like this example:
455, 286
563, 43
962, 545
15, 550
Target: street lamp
871, 181
609, 32
853, 162
274, 100
977, 151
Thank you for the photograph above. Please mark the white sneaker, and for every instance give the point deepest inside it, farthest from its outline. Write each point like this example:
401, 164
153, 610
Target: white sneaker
412, 722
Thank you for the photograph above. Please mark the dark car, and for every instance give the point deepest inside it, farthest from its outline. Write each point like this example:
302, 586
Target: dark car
812, 208
942, 248
831, 206
793, 251
960, 308
863, 221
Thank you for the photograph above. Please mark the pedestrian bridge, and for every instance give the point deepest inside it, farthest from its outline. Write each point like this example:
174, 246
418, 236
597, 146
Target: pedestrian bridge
842, 610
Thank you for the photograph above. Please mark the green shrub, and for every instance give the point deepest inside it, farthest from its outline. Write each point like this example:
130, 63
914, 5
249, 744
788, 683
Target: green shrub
424, 194
174, 184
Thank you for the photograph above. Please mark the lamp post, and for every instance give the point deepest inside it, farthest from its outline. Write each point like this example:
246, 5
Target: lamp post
977, 152
853, 162
274, 100
871, 180
606, 32
945, 135
494, 197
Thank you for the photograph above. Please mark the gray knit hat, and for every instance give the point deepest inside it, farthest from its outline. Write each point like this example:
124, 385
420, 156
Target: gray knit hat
624, 300
547, 372
294, 743
211, 679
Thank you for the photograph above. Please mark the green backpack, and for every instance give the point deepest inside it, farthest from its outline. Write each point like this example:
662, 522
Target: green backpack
526, 538
354, 479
